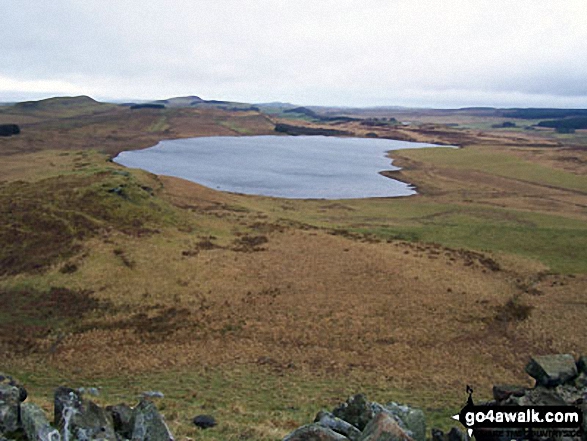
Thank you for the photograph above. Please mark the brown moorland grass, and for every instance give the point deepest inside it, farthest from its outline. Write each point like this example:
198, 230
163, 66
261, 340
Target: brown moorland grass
245, 306
305, 296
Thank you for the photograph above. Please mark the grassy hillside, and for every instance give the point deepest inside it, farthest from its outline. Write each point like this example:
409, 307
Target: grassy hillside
263, 310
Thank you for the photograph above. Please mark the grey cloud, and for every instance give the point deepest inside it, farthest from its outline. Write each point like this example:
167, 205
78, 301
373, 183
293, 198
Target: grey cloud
329, 52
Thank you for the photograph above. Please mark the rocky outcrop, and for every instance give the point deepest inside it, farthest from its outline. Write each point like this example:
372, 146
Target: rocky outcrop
76, 418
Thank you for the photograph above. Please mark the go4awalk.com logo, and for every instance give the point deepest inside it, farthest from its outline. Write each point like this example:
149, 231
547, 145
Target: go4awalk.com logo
519, 422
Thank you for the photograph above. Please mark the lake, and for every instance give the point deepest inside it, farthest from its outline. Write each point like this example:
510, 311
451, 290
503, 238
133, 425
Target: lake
297, 167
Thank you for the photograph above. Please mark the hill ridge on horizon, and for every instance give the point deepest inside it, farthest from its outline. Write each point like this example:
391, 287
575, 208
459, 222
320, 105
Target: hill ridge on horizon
178, 101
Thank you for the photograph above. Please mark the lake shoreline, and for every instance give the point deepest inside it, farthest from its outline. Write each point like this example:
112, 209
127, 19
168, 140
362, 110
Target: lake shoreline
281, 166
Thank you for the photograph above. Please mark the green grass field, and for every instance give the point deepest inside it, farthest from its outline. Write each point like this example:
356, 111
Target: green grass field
497, 162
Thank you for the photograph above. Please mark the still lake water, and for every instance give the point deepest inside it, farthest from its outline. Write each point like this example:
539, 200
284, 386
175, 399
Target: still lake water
308, 167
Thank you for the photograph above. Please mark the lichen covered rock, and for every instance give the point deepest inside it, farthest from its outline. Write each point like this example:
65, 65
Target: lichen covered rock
9, 408
149, 424
356, 411
81, 419
384, 428
552, 370
315, 432
35, 424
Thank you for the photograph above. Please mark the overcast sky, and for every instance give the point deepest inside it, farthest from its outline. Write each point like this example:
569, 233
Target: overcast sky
439, 53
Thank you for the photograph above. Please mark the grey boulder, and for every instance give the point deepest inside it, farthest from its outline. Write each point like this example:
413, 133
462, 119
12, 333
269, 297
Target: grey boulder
81, 419
384, 428
149, 424
204, 421
552, 370
8, 380
35, 424
9, 408
122, 417
314, 432
582, 364
328, 420
412, 420
356, 411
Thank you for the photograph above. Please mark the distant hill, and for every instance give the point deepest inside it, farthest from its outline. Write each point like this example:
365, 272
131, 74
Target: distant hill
310, 113
193, 101
180, 101
59, 103
303, 111
276, 104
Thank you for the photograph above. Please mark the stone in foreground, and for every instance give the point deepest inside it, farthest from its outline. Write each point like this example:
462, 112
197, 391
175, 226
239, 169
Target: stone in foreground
412, 419
149, 424
328, 420
356, 411
456, 434
122, 417
502, 392
9, 381
9, 408
314, 432
80, 418
204, 421
35, 424
552, 370
384, 428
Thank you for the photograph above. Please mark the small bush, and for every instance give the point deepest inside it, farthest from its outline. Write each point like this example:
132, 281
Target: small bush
513, 311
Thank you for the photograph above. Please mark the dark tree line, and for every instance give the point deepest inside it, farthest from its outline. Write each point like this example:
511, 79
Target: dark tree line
311, 131
543, 113
566, 125
147, 106
9, 129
